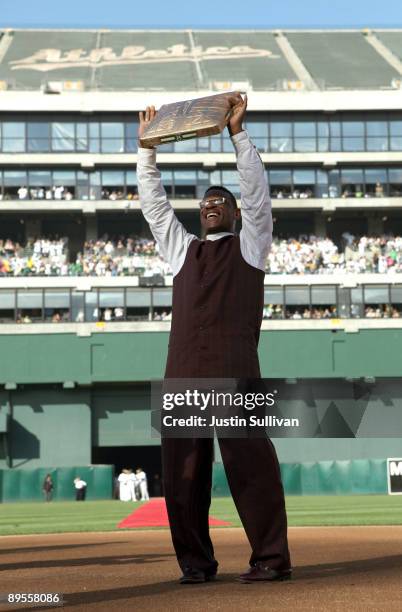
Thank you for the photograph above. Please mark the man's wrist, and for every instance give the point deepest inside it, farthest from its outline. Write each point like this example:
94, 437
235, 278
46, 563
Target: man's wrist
141, 146
236, 130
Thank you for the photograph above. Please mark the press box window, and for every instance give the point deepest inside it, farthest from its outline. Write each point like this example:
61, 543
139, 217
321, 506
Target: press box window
57, 305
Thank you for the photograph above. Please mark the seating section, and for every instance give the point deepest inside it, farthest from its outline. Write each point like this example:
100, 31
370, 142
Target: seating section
140, 256
147, 61
35, 57
342, 60
244, 56
392, 40
191, 61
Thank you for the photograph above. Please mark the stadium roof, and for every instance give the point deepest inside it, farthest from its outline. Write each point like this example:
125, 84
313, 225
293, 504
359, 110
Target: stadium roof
197, 60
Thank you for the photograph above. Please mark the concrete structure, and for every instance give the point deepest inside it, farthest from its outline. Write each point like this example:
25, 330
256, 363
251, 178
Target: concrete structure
325, 114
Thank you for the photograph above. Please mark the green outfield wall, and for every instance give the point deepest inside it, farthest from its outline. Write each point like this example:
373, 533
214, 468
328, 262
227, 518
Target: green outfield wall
49, 425
141, 356
310, 478
60, 427
322, 477
45, 423
26, 485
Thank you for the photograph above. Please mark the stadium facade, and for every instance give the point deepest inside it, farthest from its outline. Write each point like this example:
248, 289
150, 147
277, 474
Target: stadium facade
325, 115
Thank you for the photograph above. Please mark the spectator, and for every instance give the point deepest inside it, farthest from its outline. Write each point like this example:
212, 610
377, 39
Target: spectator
58, 192
379, 190
47, 488
80, 488
358, 191
118, 314
107, 315
22, 193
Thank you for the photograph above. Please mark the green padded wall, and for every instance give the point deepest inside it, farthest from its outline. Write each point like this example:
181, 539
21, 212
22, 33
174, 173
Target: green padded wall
26, 485
322, 477
141, 356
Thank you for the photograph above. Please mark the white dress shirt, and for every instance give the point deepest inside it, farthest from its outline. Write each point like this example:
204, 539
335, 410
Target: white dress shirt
174, 240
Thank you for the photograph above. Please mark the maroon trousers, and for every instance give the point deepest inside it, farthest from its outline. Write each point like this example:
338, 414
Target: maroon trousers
253, 474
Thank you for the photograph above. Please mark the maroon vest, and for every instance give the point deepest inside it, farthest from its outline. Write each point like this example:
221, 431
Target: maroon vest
218, 299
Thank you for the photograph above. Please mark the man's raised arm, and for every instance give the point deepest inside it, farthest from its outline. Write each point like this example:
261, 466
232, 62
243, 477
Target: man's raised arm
256, 214
169, 233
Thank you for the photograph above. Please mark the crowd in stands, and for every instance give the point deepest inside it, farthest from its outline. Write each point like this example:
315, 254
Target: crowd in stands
302, 194
60, 192
57, 192
103, 257
118, 194
121, 192
129, 192
307, 254
38, 257
121, 257
382, 312
276, 311
316, 255
271, 312
350, 191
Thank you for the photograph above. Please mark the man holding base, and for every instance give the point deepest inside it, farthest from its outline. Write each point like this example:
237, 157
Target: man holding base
218, 299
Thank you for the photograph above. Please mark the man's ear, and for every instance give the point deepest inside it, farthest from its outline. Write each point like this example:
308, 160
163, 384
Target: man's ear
237, 214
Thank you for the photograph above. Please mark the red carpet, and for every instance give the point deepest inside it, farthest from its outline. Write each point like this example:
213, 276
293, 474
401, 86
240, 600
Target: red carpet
154, 514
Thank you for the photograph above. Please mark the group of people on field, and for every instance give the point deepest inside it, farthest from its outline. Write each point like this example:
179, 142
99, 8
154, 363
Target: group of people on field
80, 488
132, 486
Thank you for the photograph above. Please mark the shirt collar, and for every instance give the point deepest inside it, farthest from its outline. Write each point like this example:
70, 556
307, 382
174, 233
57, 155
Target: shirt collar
218, 235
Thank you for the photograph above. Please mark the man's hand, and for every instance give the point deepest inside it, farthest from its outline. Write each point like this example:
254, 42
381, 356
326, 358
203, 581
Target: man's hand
145, 119
239, 106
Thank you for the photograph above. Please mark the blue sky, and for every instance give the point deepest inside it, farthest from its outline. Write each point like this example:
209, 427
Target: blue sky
200, 13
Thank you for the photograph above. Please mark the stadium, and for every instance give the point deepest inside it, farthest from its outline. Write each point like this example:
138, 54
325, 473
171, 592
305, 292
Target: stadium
85, 297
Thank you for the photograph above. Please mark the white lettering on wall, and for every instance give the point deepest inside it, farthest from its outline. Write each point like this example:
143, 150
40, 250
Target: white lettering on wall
395, 469
45, 60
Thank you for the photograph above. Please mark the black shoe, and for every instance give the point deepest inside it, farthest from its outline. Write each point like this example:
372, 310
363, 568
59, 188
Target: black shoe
261, 572
196, 576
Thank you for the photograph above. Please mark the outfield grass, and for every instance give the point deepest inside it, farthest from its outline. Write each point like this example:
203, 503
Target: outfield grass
59, 517
329, 510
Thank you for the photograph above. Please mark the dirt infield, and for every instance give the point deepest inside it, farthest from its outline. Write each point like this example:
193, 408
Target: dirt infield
336, 568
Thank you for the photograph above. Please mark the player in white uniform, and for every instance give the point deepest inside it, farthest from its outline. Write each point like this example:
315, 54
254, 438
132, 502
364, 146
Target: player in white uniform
126, 489
143, 482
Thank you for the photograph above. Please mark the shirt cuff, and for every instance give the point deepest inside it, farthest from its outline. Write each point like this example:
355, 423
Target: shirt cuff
146, 153
241, 140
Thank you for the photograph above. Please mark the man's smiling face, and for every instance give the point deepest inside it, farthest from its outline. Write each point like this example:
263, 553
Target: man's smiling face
218, 215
